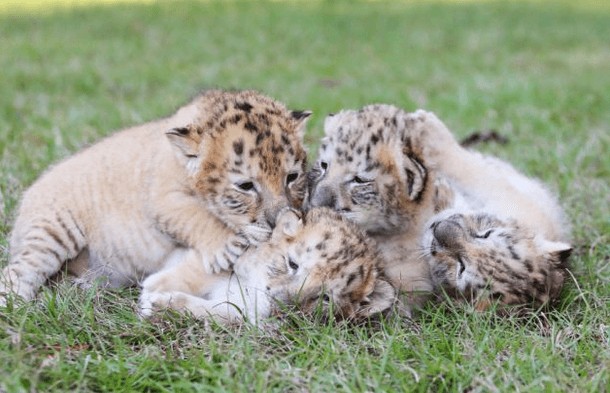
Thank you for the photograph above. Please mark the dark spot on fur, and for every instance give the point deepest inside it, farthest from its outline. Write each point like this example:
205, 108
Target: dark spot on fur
236, 119
238, 147
285, 140
513, 254
250, 127
351, 278
244, 106
259, 138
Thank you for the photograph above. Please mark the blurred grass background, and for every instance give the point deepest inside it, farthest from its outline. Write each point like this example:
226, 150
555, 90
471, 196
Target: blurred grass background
537, 72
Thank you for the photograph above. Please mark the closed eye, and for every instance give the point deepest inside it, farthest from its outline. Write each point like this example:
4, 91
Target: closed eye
462, 266
293, 265
361, 180
484, 235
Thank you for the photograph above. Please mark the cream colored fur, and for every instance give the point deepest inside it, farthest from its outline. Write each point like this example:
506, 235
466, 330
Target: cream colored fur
498, 230
303, 263
372, 170
120, 209
489, 184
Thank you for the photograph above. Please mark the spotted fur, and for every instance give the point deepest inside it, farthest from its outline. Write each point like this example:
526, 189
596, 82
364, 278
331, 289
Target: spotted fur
497, 235
322, 261
372, 170
484, 258
211, 178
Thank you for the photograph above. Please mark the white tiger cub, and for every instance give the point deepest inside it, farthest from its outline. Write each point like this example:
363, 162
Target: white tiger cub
211, 178
323, 260
498, 235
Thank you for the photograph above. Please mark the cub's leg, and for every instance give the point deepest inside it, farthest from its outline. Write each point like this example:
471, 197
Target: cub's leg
183, 286
185, 220
444, 153
39, 247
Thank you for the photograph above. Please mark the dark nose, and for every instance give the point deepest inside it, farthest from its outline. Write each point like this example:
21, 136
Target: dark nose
448, 234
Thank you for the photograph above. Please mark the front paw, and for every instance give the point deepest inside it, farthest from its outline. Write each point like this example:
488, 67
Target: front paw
256, 235
225, 258
150, 303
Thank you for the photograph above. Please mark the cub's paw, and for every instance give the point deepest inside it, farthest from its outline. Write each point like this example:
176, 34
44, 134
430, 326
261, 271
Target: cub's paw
225, 258
256, 234
151, 303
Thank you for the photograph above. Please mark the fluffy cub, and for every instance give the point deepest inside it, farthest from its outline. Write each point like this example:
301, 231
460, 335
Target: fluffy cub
322, 261
372, 170
210, 179
498, 234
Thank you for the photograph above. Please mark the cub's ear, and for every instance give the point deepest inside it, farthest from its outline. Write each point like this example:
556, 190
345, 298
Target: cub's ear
416, 174
381, 299
331, 122
558, 252
289, 223
300, 117
186, 139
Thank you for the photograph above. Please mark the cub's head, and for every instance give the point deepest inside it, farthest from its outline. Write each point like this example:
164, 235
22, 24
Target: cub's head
370, 168
245, 159
323, 261
485, 259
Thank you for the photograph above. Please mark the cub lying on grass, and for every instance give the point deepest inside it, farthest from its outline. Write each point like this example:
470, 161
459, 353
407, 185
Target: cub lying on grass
498, 235
324, 261
210, 179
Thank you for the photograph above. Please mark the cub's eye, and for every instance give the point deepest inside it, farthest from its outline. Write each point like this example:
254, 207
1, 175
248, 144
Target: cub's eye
360, 180
246, 186
326, 298
462, 265
291, 177
293, 265
484, 235
323, 165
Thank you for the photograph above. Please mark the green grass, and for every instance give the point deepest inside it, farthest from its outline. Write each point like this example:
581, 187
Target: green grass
535, 72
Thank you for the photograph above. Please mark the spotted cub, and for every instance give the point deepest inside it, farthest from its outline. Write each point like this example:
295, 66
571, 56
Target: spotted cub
322, 262
372, 170
210, 179
498, 235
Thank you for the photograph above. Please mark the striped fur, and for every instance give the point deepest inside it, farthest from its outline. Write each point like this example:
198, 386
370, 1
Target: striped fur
312, 264
212, 178
497, 234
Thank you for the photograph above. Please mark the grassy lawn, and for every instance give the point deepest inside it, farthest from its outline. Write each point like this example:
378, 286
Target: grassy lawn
537, 72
